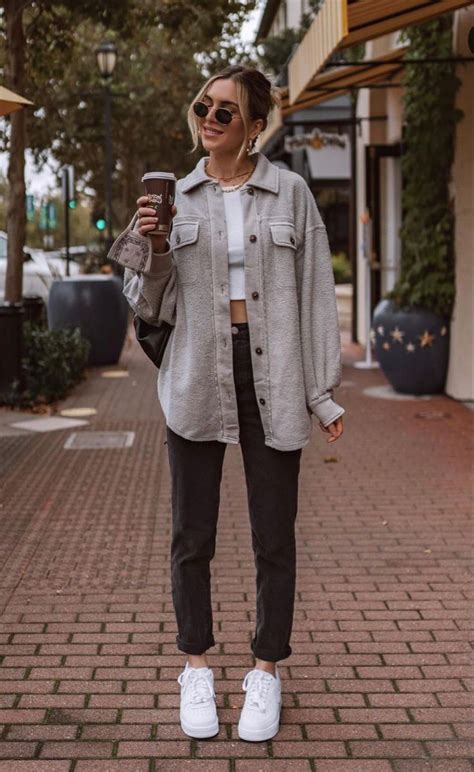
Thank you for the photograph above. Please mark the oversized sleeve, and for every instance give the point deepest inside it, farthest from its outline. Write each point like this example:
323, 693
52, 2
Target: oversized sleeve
319, 323
149, 282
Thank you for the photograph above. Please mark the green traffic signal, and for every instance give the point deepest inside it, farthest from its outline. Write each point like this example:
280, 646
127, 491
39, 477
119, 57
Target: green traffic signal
72, 203
100, 224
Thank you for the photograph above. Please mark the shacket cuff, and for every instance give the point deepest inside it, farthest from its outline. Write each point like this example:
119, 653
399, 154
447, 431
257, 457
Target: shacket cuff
158, 263
326, 409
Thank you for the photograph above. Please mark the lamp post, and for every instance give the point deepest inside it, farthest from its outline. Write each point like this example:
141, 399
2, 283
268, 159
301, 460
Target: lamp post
106, 55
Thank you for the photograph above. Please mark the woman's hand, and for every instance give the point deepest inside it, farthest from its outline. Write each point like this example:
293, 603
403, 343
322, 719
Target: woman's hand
147, 221
335, 429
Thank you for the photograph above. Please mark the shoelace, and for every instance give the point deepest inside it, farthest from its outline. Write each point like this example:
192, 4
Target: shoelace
256, 684
200, 686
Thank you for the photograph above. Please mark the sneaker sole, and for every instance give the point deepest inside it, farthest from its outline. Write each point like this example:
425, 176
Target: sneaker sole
200, 732
258, 735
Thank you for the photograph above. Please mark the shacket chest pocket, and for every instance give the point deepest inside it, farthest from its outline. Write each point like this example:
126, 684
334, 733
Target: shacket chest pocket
184, 243
283, 242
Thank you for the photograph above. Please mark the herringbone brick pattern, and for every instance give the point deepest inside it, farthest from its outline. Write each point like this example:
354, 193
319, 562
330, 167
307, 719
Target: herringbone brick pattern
382, 663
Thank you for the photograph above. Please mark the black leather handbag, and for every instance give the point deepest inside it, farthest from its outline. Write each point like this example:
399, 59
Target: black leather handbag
152, 339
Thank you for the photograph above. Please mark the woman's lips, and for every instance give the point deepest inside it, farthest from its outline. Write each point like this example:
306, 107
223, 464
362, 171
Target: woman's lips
211, 132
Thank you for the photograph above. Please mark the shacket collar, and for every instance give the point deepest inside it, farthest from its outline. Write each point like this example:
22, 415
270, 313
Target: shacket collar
265, 175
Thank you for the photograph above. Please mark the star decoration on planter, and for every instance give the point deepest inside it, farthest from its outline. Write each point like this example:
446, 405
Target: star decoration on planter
426, 339
410, 346
443, 330
397, 334
386, 346
380, 329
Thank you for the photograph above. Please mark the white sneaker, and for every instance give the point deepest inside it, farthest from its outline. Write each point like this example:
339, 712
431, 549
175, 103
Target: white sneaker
260, 716
197, 712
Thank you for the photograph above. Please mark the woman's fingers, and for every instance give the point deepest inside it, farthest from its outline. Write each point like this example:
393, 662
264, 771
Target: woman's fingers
146, 228
146, 211
147, 218
335, 429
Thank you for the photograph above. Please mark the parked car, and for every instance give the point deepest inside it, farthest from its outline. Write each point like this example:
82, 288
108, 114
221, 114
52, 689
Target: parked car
40, 268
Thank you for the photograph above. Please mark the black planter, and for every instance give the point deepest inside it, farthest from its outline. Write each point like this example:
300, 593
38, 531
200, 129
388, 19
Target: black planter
35, 310
11, 344
95, 304
412, 347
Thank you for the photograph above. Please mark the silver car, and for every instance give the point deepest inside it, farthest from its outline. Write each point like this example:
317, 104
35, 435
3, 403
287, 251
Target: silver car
40, 268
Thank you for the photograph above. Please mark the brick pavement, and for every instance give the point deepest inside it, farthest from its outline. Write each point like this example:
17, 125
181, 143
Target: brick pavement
381, 666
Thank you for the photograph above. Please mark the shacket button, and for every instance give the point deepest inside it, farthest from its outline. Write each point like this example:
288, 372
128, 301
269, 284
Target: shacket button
250, 191
178, 239
255, 295
262, 401
258, 351
252, 238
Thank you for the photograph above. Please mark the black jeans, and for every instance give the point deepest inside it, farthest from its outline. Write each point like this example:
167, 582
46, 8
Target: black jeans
272, 490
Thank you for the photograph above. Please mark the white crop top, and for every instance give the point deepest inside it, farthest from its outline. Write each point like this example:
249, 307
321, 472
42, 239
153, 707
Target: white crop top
235, 242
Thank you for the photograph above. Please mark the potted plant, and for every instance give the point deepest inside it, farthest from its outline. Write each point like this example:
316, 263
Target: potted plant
410, 325
94, 303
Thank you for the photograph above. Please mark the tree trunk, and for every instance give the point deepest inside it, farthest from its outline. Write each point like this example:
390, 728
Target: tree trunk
16, 216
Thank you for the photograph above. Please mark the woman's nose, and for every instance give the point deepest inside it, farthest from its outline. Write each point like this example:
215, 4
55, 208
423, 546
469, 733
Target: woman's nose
210, 109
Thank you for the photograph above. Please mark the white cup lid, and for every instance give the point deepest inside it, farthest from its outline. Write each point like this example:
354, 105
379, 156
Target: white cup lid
158, 175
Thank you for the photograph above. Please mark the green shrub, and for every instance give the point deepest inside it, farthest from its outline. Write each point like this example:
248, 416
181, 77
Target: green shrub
342, 268
53, 362
427, 270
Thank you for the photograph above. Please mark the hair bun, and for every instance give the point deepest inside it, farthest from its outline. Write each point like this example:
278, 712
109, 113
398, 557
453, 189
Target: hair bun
275, 95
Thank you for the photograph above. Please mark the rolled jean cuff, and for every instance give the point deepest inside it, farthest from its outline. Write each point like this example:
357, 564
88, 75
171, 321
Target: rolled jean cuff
268, 655
194, 648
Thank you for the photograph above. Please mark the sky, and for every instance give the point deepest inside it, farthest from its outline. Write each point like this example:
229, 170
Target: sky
41, 183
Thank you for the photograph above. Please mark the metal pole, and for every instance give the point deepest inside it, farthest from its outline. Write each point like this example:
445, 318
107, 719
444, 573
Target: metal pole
108, 163
66, 214
353, 213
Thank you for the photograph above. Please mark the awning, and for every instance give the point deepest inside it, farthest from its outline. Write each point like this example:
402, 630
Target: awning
334, 81
341, 23
338, 80
10, 102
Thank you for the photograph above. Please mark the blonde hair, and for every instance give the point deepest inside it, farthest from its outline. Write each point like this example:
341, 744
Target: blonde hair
256, 96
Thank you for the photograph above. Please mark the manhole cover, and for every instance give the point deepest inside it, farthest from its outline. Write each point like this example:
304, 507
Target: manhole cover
387, 392
115, 374
98, 440
73, 412
432, 414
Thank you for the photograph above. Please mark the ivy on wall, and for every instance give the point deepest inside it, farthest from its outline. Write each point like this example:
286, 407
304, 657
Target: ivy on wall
427, 277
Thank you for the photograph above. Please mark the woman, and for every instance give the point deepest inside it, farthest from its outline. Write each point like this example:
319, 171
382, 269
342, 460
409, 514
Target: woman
246, 279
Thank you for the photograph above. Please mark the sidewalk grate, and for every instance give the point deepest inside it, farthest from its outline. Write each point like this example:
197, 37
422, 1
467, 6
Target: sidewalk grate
97, 440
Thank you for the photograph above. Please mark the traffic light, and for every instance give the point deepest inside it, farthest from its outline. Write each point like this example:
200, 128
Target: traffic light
72, 203
99, 220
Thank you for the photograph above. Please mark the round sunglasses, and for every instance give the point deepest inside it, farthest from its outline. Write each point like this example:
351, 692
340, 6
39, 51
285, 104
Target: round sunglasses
222, 114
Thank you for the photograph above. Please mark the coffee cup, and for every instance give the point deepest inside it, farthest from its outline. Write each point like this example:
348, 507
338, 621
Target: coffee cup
160, 188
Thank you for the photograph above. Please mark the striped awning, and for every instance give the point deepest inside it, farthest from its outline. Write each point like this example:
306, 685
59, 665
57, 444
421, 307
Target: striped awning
342, 23
335, 81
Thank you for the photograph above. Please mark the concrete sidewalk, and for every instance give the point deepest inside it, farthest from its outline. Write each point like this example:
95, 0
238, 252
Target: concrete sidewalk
379, 675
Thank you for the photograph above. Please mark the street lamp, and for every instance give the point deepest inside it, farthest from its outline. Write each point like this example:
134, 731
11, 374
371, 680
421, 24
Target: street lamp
106, 55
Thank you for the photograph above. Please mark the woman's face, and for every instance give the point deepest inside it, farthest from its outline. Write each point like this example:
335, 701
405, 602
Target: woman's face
215, 136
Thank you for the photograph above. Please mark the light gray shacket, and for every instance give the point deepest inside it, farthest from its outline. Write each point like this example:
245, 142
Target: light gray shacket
290, 299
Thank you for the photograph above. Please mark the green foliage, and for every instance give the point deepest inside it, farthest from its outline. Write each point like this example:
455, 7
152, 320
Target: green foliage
427, 276
53, 362
341, 268
276, 49
165, 50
